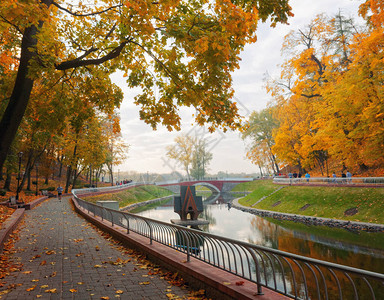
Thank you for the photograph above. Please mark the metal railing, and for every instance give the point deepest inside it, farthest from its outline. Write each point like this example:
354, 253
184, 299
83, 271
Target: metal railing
293, 275
367, 181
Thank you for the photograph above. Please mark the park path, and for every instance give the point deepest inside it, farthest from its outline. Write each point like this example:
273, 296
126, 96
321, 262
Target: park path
64, 257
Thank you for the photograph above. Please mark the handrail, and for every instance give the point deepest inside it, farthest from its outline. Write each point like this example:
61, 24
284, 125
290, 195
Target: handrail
358, 181
290, 274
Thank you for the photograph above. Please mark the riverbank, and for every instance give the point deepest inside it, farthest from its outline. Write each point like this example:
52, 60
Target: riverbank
353, 204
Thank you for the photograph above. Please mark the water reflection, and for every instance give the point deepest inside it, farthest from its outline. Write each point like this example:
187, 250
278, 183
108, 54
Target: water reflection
362, 250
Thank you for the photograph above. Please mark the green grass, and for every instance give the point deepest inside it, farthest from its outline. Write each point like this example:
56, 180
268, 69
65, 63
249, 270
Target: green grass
133, 195
327, 202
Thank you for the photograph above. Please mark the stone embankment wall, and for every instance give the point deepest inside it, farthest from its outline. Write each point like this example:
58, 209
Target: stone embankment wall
311, 220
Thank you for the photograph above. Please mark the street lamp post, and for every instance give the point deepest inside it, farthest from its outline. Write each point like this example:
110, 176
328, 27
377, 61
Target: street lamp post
37, 179
90, 175
20, 155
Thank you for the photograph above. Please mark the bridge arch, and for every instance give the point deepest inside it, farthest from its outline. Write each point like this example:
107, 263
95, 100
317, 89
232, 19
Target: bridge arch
210, 186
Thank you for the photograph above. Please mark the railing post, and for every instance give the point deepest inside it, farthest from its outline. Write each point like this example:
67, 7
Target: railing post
258, 277
150, 231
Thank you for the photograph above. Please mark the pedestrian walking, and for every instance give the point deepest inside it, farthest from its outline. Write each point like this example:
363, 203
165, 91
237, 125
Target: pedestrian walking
59, 192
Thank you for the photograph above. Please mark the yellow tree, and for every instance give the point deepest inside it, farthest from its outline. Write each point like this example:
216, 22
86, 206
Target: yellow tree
116, 149
260, 129
185, 49
183, 151
318, 54
354, 107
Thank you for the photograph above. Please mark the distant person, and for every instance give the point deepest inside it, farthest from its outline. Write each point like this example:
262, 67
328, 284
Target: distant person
299, 175
59, 192
307, 176
294, 175
349, 176
334, 177
344, 177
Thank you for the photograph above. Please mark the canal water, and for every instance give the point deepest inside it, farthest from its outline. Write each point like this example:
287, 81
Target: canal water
362, 250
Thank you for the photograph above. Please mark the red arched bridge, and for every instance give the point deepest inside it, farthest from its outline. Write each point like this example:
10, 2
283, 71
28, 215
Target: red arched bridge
215, 185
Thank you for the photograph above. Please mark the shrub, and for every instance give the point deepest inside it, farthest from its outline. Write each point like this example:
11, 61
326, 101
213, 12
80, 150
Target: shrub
50, 188
2, 192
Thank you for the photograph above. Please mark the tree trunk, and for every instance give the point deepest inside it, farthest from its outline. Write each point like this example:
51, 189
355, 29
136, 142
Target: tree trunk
18, 102
67, 183
60, 165
22, 88
29, 179
7, 183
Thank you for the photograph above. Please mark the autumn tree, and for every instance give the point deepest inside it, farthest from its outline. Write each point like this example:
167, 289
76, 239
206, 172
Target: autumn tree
260, 131
185, 49
183, 151
329, 99
116, 150
315, 55
200, 159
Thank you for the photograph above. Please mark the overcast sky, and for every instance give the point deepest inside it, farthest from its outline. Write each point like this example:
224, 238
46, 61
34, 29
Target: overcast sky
147, 151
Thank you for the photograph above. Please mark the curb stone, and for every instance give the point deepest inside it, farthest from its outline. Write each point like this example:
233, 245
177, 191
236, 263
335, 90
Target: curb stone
309, 220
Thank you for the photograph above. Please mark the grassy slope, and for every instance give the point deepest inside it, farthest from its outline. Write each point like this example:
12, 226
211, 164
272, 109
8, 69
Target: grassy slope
133, 195
328, 202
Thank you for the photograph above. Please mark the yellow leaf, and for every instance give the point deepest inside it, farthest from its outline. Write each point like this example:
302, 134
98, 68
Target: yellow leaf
144, 283
73, 290
52, 291
119, 292
31, 288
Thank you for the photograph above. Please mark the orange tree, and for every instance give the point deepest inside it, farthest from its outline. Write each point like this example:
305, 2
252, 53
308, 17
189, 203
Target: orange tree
185, 49
329, 98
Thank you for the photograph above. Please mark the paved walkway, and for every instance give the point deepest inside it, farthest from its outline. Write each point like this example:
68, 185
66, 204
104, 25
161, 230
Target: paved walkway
64, 257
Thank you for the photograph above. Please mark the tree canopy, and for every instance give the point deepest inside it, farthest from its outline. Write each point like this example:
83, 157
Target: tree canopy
328, 100
184, 49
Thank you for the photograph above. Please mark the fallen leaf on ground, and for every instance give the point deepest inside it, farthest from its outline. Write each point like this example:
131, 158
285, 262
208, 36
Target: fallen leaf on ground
119, 292
73, 290
52, 291
239, 282
31, 288
144, 283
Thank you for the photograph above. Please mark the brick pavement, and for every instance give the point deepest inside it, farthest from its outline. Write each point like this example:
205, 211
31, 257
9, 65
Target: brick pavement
64, 257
